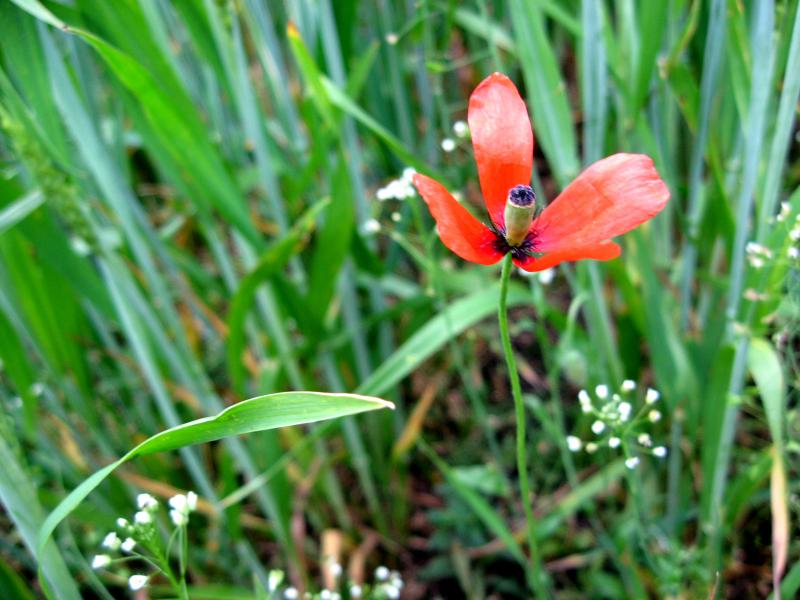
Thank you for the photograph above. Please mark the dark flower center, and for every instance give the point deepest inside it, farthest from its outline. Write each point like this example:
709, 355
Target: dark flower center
522, 196
523, 250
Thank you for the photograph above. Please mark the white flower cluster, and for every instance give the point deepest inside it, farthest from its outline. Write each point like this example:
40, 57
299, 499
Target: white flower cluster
387, 584
180, 507
400, 188
757, 254
615, 424
142, 529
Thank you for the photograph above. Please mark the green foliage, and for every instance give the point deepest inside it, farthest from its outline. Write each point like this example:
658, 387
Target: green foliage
187, 196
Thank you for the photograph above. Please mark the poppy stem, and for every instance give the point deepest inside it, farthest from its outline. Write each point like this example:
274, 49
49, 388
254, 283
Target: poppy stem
536, 576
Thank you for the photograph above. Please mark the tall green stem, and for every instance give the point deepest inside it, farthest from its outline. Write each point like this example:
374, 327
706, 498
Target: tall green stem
536, 577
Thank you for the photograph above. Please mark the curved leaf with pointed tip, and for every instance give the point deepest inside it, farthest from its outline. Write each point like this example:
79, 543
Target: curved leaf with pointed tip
257, 414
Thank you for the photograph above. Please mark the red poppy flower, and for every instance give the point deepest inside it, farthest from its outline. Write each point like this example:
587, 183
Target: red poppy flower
609, 198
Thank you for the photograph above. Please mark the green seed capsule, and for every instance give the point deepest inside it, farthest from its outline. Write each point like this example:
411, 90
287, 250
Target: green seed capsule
519, 213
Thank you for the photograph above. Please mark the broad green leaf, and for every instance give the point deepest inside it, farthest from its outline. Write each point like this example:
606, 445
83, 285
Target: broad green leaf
765, 367
256, 414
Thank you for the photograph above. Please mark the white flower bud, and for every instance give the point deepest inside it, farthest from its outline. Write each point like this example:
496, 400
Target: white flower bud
448, 145
128, 545
601, 391
178, 518
137, 582
628, 385
100, 561
461, 129
632, 462
111, 541
598, 427
142, 518
614, 442
659, 451
652, 396
573, 443
146, 502
625, 410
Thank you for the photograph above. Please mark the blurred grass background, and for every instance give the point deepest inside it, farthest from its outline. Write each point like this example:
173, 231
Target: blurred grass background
156, 157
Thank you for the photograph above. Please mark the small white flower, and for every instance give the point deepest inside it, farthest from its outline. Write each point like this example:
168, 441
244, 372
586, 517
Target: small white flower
179, 503
784, 212
573, 443
598, 427
382, 573
546, 277
290, 593
396, 217
274, 579
585, 400
178, 518
142, 518
408, 173
100, 561
793, 252
461, 129
128, 545
325, 595
652, 396
391, 592
396, 580
628, 385
448, 145
660, 451
123, 523
80, 246
644, 439
37, 388
794, 234
591, 447
137, 582
355, 591
111, 541
614, 442
601, 391
624, 410
372, 226
754, 248
632, 462
191, 501
146, 502
756, 262
654, 416
335, 570
392, 38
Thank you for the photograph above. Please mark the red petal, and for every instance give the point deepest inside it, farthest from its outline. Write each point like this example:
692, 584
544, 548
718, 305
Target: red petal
502, 139
611, 197
458, 229
604, 251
